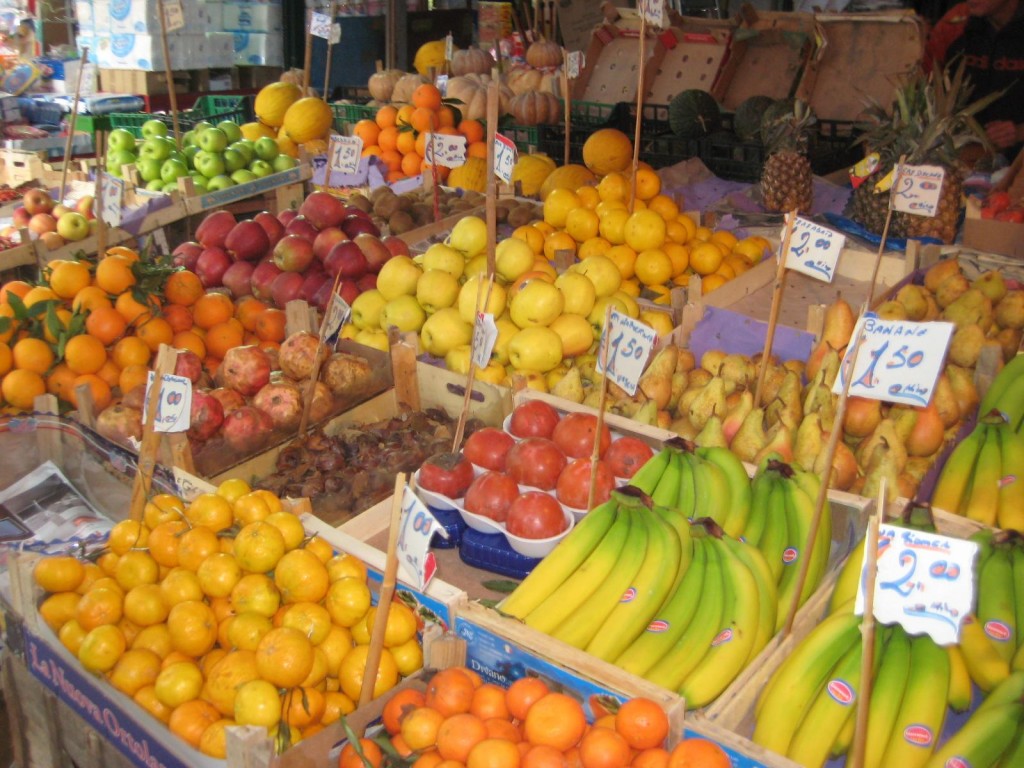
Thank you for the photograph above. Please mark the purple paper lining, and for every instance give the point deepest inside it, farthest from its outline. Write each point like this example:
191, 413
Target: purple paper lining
738, 334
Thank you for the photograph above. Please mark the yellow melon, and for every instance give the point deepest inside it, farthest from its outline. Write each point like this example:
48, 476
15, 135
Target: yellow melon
472, 175
570, 177
607, 150
429, 56
307, 119
531, 171
255, 131
273, 101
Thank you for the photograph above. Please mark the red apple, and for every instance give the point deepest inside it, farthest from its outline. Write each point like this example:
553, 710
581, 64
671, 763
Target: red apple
293, 253
367, 282
187, 254
323, 210
85, 206
21, 216
373, 249
211, 265
247, 241
41, 223
346, 259
214, 229
37, 201
311, 284
354, 225
52, 240
238, 277
286, 216
285, 288
326, 240
396, 245
348, 290
302, 227
262, 277
270, 224
351, 210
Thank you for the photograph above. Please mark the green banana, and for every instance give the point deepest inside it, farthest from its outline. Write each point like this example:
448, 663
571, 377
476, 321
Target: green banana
713, 495
810, 484
1011, 482
581, 626
953, 486
649, 589
961, 690
848, 581
673, 617
738, 512
1014, 754
887, 695
986, 665
1017, 559
1018, 660
769, 603
575, 590
646, 478
667, 490
923, 710
982, 740
686, 501
776, 531
983, 503
732, 645
1007, 692
1003, 384
996, 605
760, 498
791, 692
564, 560
799, 511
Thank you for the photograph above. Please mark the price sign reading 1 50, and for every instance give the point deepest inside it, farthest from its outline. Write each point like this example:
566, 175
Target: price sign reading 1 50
629, 344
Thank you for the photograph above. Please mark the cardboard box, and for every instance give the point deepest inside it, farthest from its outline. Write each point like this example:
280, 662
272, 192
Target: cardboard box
258, 49
251, 17
145, 52
141, 17
693, 54
1003, 237
612, 70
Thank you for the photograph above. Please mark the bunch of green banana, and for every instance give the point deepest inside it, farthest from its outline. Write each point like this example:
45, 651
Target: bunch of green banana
782, 508
983, 479
1006, 394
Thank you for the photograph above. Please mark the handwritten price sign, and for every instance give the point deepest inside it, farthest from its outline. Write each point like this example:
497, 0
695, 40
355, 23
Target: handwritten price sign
505, 154
189, 486
653, 12
345, 152
918, 189
485, 333
174, 15
338, 312
113, 200
320, 25
449, 47
629, 346
418, 528
441, 81
446, 151
814, 250
925, 582
575, 61
898, 361
175, 407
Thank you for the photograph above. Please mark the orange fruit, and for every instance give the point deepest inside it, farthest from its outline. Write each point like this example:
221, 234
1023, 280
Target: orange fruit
156, 638
450, 692
132, 309
60, 608
31, 354
642, 722
543, 756
59, 381
311, 619
190, 720
20, 389
195, 545
604, 748
178, 317
17, 287
371, 757
85, 353
193, 627
522, 695
284, 657
458, 735
344, 566
258, 547
39, 294
155, 331
212, 309
473, 130
387, 140
67, 278
183, 288
59, 573
162, 507
336, 704
128, 254
127, 535
98, 388
90, 298
114, 274
224, 336
655, 757
423, 120
131, 377
556, 720
101, 647
257, 702
135, 669
146, 698
270, 325
136, 567
256, 592
248, 309
131, 351
494, 753
214, 741
303, 706
301, 577
386, 116
427, 96
367, 130
218, 574
698, 753
489, 701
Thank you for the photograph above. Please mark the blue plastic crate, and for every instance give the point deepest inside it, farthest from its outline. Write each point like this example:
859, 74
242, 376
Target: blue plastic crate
491, 552
453, 525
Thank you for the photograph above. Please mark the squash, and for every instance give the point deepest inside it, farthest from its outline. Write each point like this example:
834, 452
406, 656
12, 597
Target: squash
525, 79
471, 175
607, 150
471, 90
307, 119
536, 108
471, 60
693, 113
747, 120
402, 92
570, 177
273, 101
531, 171
429, 56
382, 84
544, 54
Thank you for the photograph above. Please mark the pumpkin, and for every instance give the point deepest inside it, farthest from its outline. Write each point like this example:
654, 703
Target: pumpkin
693, 113
273, 101
570, 177
308, 119
525, 79
402, 92
536, 108
607, 150
472, 60
544, 54
471, 90
531, 171
429, 56
382, 84
471, 175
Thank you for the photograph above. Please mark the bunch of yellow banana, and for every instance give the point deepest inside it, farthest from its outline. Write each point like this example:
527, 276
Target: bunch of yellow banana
983, 479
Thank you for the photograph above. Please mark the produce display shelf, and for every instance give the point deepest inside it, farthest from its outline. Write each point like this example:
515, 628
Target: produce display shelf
214, 109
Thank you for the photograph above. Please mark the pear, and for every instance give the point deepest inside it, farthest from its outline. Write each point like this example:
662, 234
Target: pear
684, 428
885, 433
816, 394
647, 414
799, 367
945, 400
712, 361
971, 307
617, 393
1009, 312
951, 289
891, 310
737, 369
593, 398
734, 417
750, 438
1009, 339
992, 285
961, 381
903, 418
830, 366
656, 381
883, 463
934, 311
698, 378
844, 465
827, 413
914, 299
772, 383
809, 442
787, 406
587, 366
664, 420
838, 324
570, 386
780, 441
683, 407
934, 277
965, 346
686, 360
680, 379
709, 401
712, 435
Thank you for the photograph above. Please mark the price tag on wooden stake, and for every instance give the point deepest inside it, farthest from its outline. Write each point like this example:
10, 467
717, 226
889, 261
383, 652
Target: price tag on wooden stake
88, 87
485, 334
575, 61
814, 250
898, 361
320, 25
441, 81
338, 312
174, 15
345, 153
653, 12
113, 200
505, 155
925, 583
335, 33
918, 189
630, 344
175, 406
444, 150
417, 529
449, 47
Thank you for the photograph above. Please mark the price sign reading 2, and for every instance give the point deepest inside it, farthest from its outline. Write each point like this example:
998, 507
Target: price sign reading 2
898, 361
814, 250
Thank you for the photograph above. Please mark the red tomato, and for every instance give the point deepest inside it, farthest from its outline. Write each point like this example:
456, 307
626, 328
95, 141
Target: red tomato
535, 515
626, 455
535, 461
491, 494
487, 447
533, 418
449, 474
575, 435
998, 201
573, 487
1014, 214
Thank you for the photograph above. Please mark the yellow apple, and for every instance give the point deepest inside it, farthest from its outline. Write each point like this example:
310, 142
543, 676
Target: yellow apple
578, 291
403, 312
661, 322
469, 236
376, 338
443, 331
537, 303
554, 376
506, 330
532, 379
512, 258
602, 273
348, 331
436, 290
366, 309
441, 256
535, 349
476, 266
471, 298
494, 373
398, 277
457, 360
576, 333
599, 313
632, 308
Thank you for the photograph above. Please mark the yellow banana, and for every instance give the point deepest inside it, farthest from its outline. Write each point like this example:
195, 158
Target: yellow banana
553, 570
848, 581
887, 695
954, 483
987, 666
799, 511
1017, 564
738, 513
776, 531
961, 690
769, 604
983, 503
810, 484
1011, 483
982, 740
713, 495
845, 738
923, 710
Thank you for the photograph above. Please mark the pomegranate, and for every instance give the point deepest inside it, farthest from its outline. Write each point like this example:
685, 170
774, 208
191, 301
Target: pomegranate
323, 403
345, 374
189, 365
282, 402
205, 417
244, 369
229, 399
297, 355
119, 422
247, 429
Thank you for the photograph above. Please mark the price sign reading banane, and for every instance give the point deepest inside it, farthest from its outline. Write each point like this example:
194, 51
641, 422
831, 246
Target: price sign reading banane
113, 200
918, 189
320, 25
345, 152
338, 312
417, 529
653, 12
814, 250
445, 151
174, 410
485, 333
630, 343
505, 155
898, 361
174, 15
925, 582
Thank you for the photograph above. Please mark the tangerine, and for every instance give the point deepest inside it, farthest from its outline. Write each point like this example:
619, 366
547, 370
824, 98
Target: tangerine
301, 576
522, 695
420, 726
555, 719
61, 573
494, 753
101, 647
135, 669
284, 657
698, 753
450, 692
67, 278
193, 627
59, 608
369, 755
458, 734
225, 676
353, 668
398, 706
604, 748
190, 720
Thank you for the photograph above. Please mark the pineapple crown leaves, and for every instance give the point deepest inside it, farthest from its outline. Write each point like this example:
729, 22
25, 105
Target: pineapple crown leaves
791, 132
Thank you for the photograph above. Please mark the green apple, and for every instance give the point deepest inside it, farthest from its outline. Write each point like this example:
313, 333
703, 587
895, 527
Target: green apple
436, 290
244, 149
469, 235
537, 303
152, 128
471, 298
172, 170
155, 185
202, 125
188, 139
513, 257
219, 182
120, 140
149, 169
367, 308
231, 130
375, 338
398, 277
212, 140
284, 163
209, 164
578, 291
535, 349
233, 160
243, 176
261, 168
403, 312
117, 159
266, 148
441, 256
155, 149
443, 331
189, 152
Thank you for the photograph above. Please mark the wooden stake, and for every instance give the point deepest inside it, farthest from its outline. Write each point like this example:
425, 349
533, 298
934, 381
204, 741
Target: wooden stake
172, 92
885, 232
639, 111
330, 50
491, 210
460, 427
773, 316
819, 504
867, 630
387, 592
308, 60
71, 128
101, 225
596, 453
567, 100
165, 360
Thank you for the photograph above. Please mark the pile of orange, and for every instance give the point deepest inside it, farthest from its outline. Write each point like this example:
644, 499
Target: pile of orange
398, 135
206, 628
462, 721
90, 323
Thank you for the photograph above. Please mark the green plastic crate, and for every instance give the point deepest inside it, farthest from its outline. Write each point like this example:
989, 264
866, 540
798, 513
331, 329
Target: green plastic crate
214, 109
351, 113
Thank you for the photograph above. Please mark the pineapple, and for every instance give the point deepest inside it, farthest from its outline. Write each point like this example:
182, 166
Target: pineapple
787, 182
